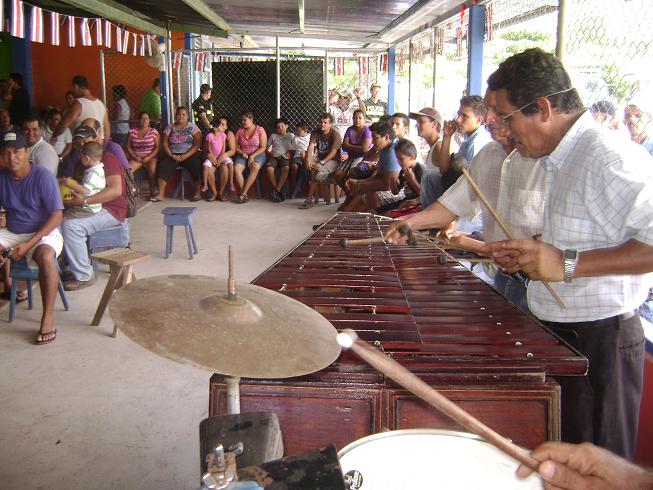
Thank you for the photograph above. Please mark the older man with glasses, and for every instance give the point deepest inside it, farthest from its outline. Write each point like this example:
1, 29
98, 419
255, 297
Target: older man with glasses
596, 246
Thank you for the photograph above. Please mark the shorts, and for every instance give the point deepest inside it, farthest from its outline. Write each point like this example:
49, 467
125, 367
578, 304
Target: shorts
325, 169
387, 197
298, 161
363, 170
53, 239
345, 165
207, 163
278, 161
258, 159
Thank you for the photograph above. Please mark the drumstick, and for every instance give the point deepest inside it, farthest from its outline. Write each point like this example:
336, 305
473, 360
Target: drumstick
506, 230
391, 368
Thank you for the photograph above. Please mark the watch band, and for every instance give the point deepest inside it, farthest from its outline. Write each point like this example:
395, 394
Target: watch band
570, 259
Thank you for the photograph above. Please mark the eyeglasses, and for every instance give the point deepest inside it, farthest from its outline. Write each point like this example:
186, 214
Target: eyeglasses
503, 120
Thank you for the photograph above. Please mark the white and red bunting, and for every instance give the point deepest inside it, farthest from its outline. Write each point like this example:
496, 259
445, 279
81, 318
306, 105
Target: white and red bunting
86, 33
176, 60
17, 19
119, 39
363, 65
72, 35
339, 66
383, 63
200, 61
135, 47
36, 25
55, 28
107, 34
125, 41
98, 32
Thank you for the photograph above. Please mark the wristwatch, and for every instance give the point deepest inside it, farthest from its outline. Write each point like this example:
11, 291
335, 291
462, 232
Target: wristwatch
84, 203
570, 260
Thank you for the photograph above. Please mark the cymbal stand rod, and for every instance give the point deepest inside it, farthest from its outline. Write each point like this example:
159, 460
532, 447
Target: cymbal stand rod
233, 394
231, 283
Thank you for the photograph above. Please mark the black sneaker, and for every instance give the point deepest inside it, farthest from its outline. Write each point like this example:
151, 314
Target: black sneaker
273, 196
281, 197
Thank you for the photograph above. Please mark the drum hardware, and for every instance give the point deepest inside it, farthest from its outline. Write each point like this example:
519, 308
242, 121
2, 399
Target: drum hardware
505, 229
389, 367
221, 467
245, 331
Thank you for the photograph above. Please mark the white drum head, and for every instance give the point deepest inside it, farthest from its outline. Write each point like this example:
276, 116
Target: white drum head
429, 459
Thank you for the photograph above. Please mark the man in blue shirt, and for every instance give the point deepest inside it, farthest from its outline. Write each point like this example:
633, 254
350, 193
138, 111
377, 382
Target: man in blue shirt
30, 196
386, 177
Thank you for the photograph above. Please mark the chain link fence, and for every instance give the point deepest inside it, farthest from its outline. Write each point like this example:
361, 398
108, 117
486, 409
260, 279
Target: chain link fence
451, 49
608, 52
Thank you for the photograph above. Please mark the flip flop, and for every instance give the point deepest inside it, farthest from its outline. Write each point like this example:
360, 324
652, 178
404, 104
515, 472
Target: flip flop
155, 199
20, 295
46, 338
195, 199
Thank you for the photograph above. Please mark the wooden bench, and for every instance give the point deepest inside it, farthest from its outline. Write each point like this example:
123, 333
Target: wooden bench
120, 262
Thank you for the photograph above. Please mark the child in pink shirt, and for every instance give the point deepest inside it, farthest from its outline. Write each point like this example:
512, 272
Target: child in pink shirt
216, 147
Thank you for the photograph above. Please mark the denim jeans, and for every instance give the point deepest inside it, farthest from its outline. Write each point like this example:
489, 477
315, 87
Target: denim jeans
431, 187
75, 231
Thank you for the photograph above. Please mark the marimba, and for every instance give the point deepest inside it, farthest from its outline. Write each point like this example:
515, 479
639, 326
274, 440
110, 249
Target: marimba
438, 320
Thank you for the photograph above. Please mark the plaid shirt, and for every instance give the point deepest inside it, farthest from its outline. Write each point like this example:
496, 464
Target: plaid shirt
514, 186
598, 195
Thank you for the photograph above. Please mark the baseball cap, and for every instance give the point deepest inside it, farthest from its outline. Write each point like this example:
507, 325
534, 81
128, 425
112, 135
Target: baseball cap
374, 85
85, 132
15, 140
429, 112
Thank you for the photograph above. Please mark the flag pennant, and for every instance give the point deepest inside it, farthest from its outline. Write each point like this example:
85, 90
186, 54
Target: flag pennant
71, 32
176, 63
119, 39
125, 41
86, 32
362, 63
107, 34
142, 45
17, 19
384, 63
98, 32
199, 62
135, 48
148, 45
55, 28
36, 25
339, 68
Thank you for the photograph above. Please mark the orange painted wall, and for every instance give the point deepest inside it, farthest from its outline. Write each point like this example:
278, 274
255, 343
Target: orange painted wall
644, 454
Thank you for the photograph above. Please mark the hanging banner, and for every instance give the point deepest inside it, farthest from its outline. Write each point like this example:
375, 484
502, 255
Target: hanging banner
107, 34
339, 66
125, 41
176, 60
98, 32
459, 42
363, 62
135, 40
72, 35
86, 33
148, 45
17, 19
142, 45
384, 63
199, 61
55, 28
489, 31
36, 25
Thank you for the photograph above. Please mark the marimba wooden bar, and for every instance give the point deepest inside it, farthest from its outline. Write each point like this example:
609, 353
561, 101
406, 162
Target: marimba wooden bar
438, 320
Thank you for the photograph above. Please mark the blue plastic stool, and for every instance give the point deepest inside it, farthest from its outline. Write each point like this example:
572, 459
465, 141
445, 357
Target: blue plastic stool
20, 270
184, 177
179, 217
116, 237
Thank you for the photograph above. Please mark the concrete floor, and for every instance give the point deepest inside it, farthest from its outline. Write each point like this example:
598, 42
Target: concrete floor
89, 411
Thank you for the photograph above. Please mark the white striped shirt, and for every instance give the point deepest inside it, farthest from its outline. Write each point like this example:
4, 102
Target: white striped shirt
599, 194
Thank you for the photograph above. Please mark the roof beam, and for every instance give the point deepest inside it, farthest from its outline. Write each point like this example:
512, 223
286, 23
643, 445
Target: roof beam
118, 13
195, 29
262, 31
205, 11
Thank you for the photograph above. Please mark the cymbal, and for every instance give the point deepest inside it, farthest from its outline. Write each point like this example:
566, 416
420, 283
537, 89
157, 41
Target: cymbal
259, 334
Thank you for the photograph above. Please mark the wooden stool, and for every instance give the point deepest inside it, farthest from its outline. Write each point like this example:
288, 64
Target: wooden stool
120, 262
179, 216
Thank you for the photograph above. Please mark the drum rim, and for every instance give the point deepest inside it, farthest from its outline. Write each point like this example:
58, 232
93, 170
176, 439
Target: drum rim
393, 433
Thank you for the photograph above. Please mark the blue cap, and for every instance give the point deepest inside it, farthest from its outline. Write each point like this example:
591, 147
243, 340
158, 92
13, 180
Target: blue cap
13, 139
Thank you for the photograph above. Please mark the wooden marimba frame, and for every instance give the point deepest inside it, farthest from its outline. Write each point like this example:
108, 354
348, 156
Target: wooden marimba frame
438, 320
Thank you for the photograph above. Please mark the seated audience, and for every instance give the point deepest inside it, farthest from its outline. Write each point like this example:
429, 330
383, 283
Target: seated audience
409, 179
357, 142
300, 145
31, 199
113, 212
5, 123
181, 147
251, 143
325, 142
143, 144
40, 152
386, 178
63, 145
218, 156
280, 151
93, 181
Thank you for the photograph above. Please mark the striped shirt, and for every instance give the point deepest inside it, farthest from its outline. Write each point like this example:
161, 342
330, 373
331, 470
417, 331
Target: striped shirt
142, 146
598, 195
251, 144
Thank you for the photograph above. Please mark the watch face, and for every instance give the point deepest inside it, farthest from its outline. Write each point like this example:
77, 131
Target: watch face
570, 254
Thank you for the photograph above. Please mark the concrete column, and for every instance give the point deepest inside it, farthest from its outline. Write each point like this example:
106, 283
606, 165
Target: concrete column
391, 80
476, 33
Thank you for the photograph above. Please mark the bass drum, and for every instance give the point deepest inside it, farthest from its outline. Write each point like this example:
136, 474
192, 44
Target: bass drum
429, 459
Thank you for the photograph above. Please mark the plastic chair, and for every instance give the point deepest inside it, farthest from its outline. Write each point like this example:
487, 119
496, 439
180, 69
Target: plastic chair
20, 270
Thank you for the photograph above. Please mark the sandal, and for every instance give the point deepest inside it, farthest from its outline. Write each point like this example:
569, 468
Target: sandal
212, 197
195, 199
306, 205
45, 338
243, 199
222, 198
20, 295
155, 199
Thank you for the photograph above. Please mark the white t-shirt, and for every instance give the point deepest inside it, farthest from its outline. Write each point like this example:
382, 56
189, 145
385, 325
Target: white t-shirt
121, 115
62, 140
301, 143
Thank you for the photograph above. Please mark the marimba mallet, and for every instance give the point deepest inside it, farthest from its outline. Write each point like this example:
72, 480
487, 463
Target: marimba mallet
403, 229
391, 368
443, 259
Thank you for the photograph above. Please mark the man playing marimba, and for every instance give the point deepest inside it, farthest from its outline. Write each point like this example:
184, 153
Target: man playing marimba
596, 245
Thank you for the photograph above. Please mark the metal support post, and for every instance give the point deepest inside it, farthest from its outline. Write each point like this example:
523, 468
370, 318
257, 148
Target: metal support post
561, 30
476, 33
391, 80
278, 79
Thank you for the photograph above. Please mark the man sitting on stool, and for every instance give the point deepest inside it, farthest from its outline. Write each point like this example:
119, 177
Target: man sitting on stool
30, 196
